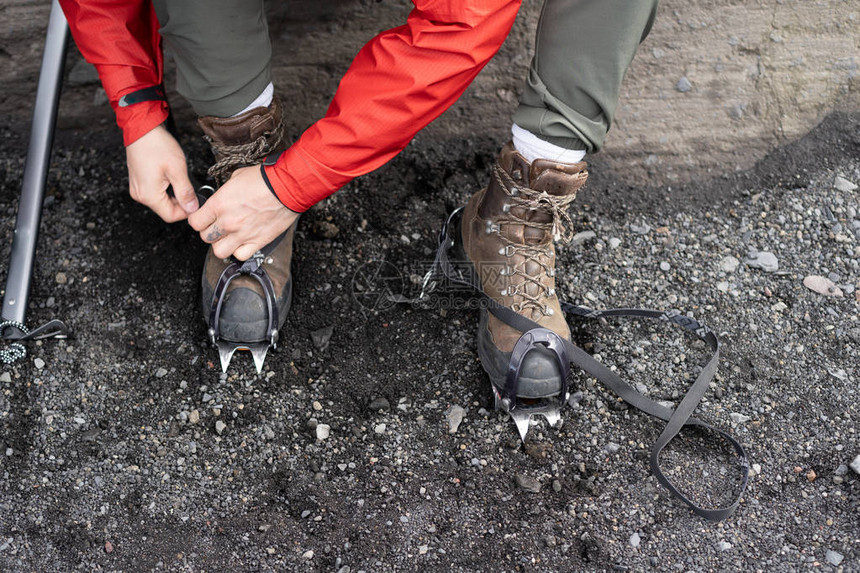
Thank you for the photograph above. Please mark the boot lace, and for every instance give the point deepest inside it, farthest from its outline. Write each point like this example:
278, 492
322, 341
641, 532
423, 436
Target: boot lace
541, 253
244, 154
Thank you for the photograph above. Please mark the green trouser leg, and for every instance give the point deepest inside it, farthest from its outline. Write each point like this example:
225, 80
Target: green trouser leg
222, 51
582, 50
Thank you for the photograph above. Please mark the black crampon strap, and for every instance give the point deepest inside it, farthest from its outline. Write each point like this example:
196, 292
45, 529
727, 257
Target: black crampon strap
676, 419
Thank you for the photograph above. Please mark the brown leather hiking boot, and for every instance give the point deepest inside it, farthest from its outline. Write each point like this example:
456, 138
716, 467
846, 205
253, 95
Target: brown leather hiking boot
508, 231
243, 141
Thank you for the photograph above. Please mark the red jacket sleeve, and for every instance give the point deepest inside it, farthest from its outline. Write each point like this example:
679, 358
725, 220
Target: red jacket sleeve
398, 83
121, 39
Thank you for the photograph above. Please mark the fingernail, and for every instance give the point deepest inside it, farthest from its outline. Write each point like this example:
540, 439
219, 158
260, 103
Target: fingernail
190, 207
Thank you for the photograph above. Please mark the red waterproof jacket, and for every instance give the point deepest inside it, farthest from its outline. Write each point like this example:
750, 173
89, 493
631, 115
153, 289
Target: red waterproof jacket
398, 83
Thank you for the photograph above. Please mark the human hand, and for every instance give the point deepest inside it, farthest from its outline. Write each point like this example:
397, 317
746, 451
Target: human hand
242, 217
156, 161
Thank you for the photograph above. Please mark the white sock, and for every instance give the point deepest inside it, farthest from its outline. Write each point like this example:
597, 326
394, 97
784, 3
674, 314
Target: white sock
263, 100
532, 147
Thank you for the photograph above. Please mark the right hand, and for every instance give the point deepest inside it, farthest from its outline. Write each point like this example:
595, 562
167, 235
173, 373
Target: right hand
155, 162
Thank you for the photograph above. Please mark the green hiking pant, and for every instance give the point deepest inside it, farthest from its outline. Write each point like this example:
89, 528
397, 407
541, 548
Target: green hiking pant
583, 47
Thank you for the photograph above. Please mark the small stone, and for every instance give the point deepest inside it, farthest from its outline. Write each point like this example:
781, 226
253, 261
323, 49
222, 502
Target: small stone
729, 264
61, 278
642, 229
842, 184
161, 373
665, 267
582, 237
855, 465
39, 363
833, 557
108, 547
683, 85
309, 554
612, 447
556, 486
454, 416
194, 416
325, 229
322, 337
739, 418
842, 470
316, 406
423, 549
527, 483
264, 527
5, 377
379, 428
220, 427
323, 431
379, 404
635, 540
822, 285
9, 452
614, 242
811, 475
723, 286
779, 307
764, 260
723, 546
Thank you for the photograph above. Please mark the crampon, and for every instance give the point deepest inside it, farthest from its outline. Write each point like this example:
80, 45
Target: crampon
452, 267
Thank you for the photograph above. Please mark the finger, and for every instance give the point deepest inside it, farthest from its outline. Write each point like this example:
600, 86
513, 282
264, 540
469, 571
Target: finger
246, 251
226, 246
165, 207
205, 216
213, 233
183, 190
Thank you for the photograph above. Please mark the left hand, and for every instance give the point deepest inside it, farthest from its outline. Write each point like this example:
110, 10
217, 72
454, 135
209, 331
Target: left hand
242, 217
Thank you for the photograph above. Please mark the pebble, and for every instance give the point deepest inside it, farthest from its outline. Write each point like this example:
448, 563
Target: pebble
527, 483
454, 416
5, 377
664, 266
614, 242
635, 540
61, 278
642, 229
423, 549
842, 184
833, 557
308, 554
764, 260
39, 363
723, 546
323, 431
855, 465
379, 404
316, 406
556, 486
582, 237
683, 85
322, 337
612, 447
738, 418
220, 427
108, 547
822, 285
161, 373
843, 469
194, 416
729, 264
379, 428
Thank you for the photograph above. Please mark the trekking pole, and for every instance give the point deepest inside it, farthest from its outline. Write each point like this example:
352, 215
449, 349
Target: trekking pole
22, 258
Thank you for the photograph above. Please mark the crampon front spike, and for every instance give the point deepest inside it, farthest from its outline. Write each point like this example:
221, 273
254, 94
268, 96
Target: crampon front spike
227, 349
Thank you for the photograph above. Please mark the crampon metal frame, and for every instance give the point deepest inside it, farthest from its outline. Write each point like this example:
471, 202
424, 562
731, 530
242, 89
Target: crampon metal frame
445, 269
22, 259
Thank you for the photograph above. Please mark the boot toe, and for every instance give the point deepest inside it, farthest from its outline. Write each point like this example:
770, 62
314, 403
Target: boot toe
244, 317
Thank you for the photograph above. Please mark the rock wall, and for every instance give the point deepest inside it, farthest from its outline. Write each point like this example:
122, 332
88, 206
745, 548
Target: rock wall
715, 86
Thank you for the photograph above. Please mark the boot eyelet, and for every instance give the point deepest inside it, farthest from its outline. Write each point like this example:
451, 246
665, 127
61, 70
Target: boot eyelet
515, 191
517, 174
269, 260
550, 292
550, 273
548, 311
506, 208
508, 251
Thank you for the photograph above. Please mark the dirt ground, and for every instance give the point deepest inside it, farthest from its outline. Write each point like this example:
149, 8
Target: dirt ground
124, 448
